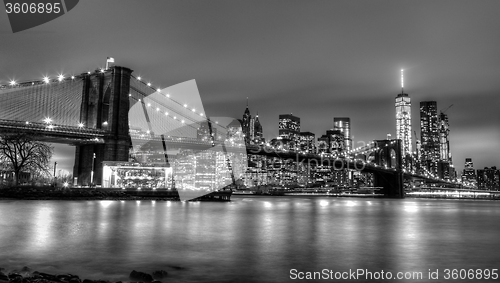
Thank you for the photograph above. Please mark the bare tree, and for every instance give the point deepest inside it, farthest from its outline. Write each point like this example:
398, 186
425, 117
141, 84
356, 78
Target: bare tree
22, 153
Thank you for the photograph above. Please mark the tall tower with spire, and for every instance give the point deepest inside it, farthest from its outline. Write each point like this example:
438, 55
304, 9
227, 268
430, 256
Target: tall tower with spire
258, 135
403, 119
247, 117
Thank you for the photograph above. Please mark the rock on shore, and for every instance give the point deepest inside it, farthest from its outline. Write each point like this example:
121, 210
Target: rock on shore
25, 275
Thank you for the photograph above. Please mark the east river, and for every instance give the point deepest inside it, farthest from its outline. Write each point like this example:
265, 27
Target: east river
251, 239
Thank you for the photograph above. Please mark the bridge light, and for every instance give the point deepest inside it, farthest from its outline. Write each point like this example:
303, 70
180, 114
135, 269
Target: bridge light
194, 110
149, 104
149, 84
27, 123
157, 109
50, 127
175, 117
158, 90
182, 121
80, 125
185, 105
166, 113
201, 114
72, 77
60, 77
139, 78
168, 95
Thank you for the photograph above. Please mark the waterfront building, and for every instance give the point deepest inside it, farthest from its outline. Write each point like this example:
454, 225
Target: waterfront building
343, 124
430, 133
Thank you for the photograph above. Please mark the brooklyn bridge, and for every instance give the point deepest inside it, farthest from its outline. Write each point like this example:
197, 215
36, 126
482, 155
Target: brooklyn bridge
114, 118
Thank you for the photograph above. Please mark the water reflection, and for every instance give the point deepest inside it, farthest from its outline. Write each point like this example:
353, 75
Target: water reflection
259, 239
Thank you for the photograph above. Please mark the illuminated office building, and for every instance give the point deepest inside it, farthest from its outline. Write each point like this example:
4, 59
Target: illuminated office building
488, 179
289, 129
469, 174
429, 132
246, 124
307, 142
343, 124
252, 128
445, 169
403, 119
258, 135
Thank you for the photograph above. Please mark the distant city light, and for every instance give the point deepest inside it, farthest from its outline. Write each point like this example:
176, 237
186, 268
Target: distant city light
80, 125
47, 120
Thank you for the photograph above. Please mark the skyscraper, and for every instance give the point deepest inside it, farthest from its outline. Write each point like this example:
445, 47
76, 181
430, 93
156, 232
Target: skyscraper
289, 127
403, 119
307, 142
488, 179
429, 133
343, 124
252, 128
246, 124
444, 142
469, 174
258, 135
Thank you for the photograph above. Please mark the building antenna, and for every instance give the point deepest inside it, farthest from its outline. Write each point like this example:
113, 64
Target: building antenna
402, 81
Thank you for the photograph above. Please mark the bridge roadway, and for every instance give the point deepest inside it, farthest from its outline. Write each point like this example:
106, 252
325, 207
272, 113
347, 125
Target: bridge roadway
54, 133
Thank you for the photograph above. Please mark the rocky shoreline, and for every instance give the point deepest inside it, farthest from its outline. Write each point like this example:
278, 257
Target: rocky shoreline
26, 275
51, 193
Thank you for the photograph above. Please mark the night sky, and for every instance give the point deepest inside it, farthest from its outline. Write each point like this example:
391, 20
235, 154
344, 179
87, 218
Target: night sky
315, 59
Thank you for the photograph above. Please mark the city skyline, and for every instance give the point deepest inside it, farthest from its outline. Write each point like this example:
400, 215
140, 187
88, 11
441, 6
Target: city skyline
354, 72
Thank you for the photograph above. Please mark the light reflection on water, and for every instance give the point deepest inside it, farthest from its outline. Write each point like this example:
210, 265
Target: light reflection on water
250, 239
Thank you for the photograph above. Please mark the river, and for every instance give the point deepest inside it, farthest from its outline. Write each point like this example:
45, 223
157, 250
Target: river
249, 239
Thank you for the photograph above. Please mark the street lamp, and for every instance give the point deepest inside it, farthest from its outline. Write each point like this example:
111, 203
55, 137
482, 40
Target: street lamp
92, 172
55, 166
